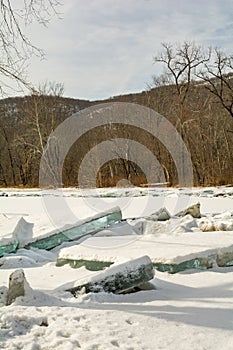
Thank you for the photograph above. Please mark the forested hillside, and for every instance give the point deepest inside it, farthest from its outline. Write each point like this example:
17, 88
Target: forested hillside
204, 124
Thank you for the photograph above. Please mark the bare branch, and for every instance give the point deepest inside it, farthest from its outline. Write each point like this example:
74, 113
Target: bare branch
181, 63
15, 47
218, 76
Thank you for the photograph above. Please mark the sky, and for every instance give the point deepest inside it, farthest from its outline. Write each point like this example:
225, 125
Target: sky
103, 48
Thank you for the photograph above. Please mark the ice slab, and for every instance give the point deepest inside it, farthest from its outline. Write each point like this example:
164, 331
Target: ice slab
14, 232
160, 215
196, 264
118, 278
90, 265
197, 250
81, 228
193, 210
8, 248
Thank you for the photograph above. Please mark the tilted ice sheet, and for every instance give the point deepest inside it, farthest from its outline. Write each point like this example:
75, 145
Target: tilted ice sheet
15, 229
165, 248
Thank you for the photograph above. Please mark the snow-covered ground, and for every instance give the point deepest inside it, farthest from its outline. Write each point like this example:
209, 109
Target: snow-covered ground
192, 309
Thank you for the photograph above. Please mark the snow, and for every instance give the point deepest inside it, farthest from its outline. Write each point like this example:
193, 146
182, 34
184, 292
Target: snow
118, 278
188, 310
165, 249
17, 229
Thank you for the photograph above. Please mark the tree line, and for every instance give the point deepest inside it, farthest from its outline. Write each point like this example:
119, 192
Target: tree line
195, 93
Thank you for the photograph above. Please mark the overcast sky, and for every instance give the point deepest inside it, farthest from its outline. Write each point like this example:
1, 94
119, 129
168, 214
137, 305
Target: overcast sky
102, 48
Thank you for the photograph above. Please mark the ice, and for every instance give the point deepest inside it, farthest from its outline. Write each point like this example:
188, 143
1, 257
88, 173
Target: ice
15, 231
18, 286
27, 258
160, 215
90, 265
118, 278
224, 257
88, 226
189, 249
197, 264
118, 229
188, 309
218, 222
193, 210
19, 232
216, 225
8, 248
172, 227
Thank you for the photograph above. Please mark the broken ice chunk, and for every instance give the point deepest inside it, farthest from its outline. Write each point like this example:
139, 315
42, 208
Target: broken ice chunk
197, 263
18, 285
14, 230
82, 228
208, 225
8, 248
193, 210
225, 259
161, 215
118, 278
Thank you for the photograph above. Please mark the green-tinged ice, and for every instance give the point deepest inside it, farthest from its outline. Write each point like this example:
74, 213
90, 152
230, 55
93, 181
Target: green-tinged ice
198, 264
225, 259
118, 278
91, 265
91, 225
222, 260
8, 248
95, 265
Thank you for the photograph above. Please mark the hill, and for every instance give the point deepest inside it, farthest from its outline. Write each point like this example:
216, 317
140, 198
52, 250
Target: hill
203, 123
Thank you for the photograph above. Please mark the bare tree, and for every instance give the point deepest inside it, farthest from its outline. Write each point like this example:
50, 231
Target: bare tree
15, 46
181, 63
218, 77
39, 115
7, 153
194, 80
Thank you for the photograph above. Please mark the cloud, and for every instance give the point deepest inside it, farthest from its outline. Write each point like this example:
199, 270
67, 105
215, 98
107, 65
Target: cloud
103, 47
